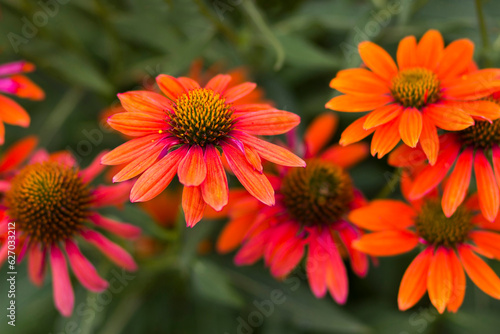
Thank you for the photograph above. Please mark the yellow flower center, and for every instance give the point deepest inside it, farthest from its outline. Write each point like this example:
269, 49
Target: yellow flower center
481, 135
48, 201
432, 225
201, 117
318, 194
415, 87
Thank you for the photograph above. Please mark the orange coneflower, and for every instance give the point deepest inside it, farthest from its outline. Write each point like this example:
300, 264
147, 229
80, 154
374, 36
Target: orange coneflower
184, 134
448, 246
52, 204
428, 89
12, 82
475, 148
311, 210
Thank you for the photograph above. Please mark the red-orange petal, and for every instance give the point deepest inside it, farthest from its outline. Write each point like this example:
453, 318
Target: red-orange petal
254, 182
487, 187
188, 83
448, 117
355, 132
479, 272
170, 86
407, 53
28, 89
357, 103
382, 115
17, 153
319, 132
439, 279
429, 140
386, 137
12, 113
410, 126
237, 92
456, 58
430, 49
459, 282
193, 205
458, 183
346, 156
157, 177
218, 83
139, 164
484, 110
487, 241
214, 189
414, 282
383, 214
136, 124
377, 59
192, 169
267, 123
386, 243
145, 102
233, 233
130, 150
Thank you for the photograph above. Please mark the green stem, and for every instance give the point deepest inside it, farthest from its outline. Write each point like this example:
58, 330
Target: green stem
484, 33
259, 22
391, 184
61, 112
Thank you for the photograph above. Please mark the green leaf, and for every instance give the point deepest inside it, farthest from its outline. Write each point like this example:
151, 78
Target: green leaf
301, 53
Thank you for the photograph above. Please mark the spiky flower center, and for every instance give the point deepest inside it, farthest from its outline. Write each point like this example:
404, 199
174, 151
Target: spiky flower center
201, 117
415, 87
318, 194
432, 225
48, 201
482, 134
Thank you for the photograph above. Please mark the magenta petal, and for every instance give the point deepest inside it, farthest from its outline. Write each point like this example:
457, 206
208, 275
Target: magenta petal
15, 67
114, 252
122, 229
64, 297
36, 264
84, 270
7, 85
3, 253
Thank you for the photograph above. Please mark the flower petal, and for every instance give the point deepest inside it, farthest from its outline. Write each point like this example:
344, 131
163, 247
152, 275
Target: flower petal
458, 183
383, 214
487, 187
319, 132
27, 89
124, 230
355, 132
359, 81
143, 101
357, 103
347, 156
111, 250
12, 113
64, 296
414, 282
36, 264
456, 58
214, 189
430, 49
137, 123
170, 86
192, 169
386, 243
429, 140
233, 233
131, 150
479, 272
139, 164
193, 205
439, 279
377, 59
267, 122
410, 126
407, 53
17, 153
237, 92
84, 270
448, 117
458, 279
382, 115
386, 137
218, 83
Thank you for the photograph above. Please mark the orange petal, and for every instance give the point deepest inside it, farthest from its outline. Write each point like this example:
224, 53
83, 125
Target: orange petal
218, 83
192, 169
479, 272
382, 115
237, 92
139, 164
484, 110
458, 183
255, 183
487, 241
27, 89
267, 123
447, 117
214, 189
472, 86
410, 126
357, 103
253, 158
496, 162
383, 214
188, 83
359, 81
233, 233
130, 150
431, 176
458, 286
439, 279
407, 53
405, 156
456, 58
386, 243
347, 156
355, 132
2, 133
12, 113
170, 86
386, 137
319, 132
17, 153
414, 282
136, 124
430, 49
377, 59
157, 177
145, 102
487, 187
193, 205
429, 140
271, 152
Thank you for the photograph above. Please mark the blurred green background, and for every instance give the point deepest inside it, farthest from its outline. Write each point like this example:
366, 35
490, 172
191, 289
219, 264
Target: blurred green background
86, 51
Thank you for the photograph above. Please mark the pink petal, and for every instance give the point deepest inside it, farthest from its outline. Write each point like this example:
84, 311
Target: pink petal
36, 264
114, 252
64, 297
114, 195
88, 174
84, 270
124, 230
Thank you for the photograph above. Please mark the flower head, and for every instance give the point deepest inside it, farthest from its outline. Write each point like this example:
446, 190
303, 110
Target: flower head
477, 149
311, 208
448, 246
12, 82
185, 133
52, 205
430, 88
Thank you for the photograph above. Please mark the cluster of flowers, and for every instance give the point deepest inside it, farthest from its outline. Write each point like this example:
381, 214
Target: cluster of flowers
435, 100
